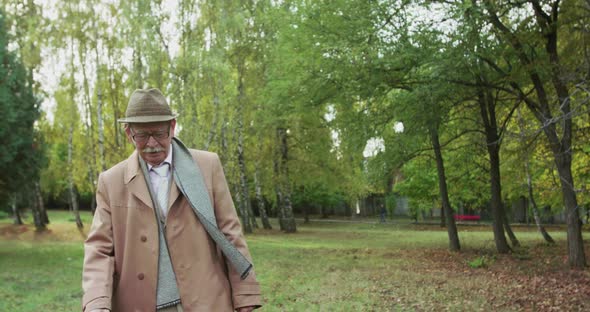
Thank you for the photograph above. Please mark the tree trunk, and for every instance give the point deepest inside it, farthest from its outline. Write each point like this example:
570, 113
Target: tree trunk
252, 216
508, 228
213, 128
496, 200
239, 205
488, 115
75, 206
73, 198
15, 212
114, 101
279, 194
137, 67
37, 220
260, 199
99, 120
562, 155
233, 186
575, 243
536, 215
102, 159
289, 221
454, 243
223, 142
93, 205
529, 182
91, 157
36, 210
41, 204
244, 190
324, 212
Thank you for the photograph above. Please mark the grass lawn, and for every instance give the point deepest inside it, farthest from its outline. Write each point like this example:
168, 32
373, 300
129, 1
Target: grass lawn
331, 266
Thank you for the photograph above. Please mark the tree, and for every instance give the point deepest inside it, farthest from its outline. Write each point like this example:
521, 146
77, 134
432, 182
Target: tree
20, 156
376, 62
538, 53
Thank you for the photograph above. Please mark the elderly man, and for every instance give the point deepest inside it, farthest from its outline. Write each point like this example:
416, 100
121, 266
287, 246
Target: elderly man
165, 234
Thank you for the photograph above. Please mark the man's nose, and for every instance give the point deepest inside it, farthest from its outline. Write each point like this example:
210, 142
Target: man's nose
152, 142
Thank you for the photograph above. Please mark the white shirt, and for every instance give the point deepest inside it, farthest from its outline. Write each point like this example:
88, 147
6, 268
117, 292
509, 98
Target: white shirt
156, 179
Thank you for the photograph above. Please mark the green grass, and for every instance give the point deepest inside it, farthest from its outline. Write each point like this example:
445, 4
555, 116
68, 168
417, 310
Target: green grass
322, 267
40, 275
368, 267
55, 216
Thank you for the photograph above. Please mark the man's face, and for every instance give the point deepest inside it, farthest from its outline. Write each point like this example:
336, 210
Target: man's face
152, 140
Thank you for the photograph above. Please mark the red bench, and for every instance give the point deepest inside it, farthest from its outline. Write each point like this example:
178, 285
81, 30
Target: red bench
459, 217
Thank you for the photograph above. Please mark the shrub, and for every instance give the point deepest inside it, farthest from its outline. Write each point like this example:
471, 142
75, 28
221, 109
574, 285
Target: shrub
479, 262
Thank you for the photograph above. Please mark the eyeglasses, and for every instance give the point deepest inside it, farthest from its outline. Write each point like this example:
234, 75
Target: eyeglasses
143, 137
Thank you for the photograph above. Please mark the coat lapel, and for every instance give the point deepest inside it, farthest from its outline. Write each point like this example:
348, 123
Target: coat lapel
136, 182
174, 193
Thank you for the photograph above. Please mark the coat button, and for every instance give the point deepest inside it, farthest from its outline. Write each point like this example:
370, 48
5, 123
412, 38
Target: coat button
140, 276
143, 238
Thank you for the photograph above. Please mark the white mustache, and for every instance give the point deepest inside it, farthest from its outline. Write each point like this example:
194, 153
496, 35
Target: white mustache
152, 150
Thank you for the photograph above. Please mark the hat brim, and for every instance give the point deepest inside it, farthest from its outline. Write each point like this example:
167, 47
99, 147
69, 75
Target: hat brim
146, 119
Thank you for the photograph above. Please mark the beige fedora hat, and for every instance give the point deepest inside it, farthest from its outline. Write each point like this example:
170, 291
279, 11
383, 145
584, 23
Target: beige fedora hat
147, 105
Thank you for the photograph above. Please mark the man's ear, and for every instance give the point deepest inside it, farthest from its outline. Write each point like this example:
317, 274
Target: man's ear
128, 132
172, 127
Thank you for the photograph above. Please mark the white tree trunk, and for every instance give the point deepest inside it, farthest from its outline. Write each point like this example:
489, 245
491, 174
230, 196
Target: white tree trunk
102, 160
260, 200
529, 182
40, 204
279, 194
73, 198
92, 174
244, 190
289, 221
213, 128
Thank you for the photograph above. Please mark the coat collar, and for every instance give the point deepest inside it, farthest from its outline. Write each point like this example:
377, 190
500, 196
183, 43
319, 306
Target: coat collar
136, 182
133, 168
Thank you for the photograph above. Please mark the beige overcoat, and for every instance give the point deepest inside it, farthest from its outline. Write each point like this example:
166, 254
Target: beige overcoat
121, 251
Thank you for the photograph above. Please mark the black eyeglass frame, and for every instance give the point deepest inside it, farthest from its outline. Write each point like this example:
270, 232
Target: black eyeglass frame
157, 135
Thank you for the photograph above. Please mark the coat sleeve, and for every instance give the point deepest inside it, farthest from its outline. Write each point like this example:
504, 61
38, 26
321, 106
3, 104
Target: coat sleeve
244, 292
99, 263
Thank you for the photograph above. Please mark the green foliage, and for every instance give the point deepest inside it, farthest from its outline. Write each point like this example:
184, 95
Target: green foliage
334, 73
317, 195
481, 262
420, 184
21, 152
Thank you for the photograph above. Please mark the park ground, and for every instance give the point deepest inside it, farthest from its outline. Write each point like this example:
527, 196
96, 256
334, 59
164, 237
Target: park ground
332, 266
